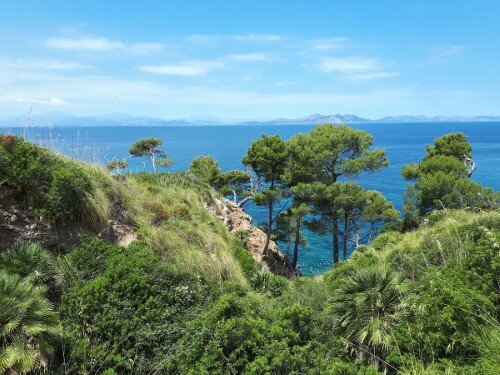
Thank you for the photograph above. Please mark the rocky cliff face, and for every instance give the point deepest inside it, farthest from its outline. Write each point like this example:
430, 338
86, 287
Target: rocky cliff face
19, 222
238, 221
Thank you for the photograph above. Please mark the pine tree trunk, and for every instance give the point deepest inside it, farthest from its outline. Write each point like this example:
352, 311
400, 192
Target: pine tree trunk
345, 235
153, 161
269, 228
296, 243
335, 237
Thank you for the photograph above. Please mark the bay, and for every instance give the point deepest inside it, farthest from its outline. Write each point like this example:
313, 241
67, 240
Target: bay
404, 142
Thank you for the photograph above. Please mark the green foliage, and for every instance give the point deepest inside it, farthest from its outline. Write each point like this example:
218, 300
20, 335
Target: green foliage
442, 180
58, 187
146, 146
457, 273
246, 261
28, 325
330, 151
124, 309
164, 162
265, 281
117, 166
35, 264
187, 297
453, 144
237, 335
206, 169
267, 157
150, 147
316, 161
366, 310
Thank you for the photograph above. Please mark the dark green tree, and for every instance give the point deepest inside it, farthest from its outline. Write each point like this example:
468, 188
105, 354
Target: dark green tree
329, 152
149, 147
442, 178
206, 169
240, 185
351, 202
324, 155
267, 157
117, 166
377, 211
289, 228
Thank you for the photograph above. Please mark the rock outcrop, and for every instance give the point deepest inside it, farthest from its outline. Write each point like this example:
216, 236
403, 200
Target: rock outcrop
238, 221
19, 222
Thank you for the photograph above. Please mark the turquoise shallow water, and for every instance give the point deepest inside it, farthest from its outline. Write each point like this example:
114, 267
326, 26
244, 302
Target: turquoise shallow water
404, 142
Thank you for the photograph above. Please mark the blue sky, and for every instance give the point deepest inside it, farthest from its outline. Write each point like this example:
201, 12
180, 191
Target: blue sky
250, 59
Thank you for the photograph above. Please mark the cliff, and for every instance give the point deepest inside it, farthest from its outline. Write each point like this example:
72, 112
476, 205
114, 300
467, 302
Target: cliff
239, 222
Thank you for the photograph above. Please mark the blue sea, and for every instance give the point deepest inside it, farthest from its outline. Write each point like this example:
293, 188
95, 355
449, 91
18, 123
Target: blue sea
404, 142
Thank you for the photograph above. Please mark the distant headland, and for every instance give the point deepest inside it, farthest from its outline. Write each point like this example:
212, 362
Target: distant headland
125, 119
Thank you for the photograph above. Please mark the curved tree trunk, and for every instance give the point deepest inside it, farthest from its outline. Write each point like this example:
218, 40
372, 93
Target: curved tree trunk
269, 228
295, 260
153, 160
335, 237
345, 234
470, 165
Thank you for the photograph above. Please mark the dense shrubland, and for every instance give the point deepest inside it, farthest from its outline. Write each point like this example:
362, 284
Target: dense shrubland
187, 298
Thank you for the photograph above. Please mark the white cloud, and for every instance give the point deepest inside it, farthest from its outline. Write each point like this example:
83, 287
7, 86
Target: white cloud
357, 68
184, 68
85, 43
348, 64
249, 57
374, 75
43, 64
142, 48
103, 44
329, 43
256, 38
443, 53
55, 102
250, 37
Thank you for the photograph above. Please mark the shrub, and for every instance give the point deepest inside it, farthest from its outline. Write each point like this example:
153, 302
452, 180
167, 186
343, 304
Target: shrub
58, 187
124, 309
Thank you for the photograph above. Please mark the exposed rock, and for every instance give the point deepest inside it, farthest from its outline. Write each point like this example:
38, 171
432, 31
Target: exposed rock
236, 219
18, 222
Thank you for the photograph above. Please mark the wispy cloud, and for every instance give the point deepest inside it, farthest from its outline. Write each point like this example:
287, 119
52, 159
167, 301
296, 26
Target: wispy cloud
374, 75
358, 68
250, 37
103, 44
244, 57
443, 53
329, 43
85, 43
142, 48
42, 64
348, 64
184, 68
256, 37
55, 102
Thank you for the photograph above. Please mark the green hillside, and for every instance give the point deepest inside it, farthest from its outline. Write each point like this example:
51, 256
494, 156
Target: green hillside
144, 280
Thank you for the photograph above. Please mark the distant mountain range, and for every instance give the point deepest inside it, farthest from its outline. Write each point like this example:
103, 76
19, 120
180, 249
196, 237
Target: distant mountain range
124, 119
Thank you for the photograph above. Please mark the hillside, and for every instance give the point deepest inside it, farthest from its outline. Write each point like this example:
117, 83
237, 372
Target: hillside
150, 274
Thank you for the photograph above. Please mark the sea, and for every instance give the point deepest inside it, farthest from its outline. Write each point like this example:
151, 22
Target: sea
404, 143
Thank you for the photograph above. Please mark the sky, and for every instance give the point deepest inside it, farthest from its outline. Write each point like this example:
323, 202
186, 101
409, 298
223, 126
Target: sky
250, 59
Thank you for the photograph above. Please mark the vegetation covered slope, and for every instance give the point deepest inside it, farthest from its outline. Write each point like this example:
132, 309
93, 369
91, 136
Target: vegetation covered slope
185, 298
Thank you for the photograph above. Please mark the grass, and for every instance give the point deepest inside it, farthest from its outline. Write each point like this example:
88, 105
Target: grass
166, 210
170, 216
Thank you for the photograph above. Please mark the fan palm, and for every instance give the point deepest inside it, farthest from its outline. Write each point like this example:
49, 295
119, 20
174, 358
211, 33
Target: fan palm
28, 324
367, 308
33, 262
